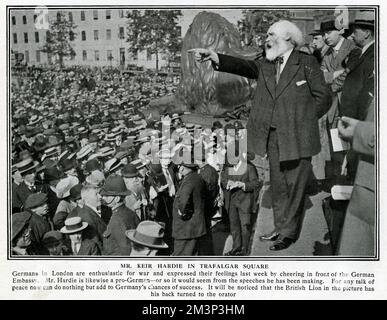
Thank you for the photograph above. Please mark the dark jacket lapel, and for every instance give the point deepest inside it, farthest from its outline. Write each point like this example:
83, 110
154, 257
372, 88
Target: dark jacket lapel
288, 73
268, 70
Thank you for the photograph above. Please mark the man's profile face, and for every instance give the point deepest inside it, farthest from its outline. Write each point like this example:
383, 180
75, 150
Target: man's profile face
318, 42
30, 177
332, 37
275, 43
360, 36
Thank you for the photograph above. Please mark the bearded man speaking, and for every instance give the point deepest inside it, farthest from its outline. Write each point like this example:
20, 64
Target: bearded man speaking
291, 95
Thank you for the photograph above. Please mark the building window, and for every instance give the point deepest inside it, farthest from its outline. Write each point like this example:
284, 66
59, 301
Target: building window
37, 37
148, 55
71, 34
71, 16
24, 19
121, 13
37, 55
26, 56
13, 20
83, 35
108, 34
83, 18
25, 37
15, 38
121, 34
95, 34
109, 55
96, 55
95, 14
58, 16
35, 16
108, 14
47, 35
84, 55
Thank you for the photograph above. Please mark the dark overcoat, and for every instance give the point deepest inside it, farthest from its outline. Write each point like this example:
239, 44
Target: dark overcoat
190, 201
115, 242
358, 83
242, 199
293, 106
96, 226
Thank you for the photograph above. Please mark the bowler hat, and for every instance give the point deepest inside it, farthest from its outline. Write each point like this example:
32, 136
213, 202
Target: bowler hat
75, 192
73, 225
35, 200
330, 25
67, 164
92, 165
149, 234
52, 238
129, 171
19, 221
52, 173
114, 186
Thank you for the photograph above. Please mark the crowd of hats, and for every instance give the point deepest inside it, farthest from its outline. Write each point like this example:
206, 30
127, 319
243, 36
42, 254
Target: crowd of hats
76, 132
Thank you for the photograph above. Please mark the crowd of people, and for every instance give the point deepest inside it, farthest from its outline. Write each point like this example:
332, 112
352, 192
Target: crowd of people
89, 168
93, 175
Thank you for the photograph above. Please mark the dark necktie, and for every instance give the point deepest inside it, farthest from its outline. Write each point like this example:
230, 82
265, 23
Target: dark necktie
278, 63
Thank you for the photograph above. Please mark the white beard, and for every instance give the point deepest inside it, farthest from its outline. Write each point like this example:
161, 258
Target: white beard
278, 49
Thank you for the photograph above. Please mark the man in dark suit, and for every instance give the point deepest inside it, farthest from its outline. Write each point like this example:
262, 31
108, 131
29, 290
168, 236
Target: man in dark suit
36, 204
91, 213
291, 95
115, 242
188, 224
27, 169
240, 185
356, 97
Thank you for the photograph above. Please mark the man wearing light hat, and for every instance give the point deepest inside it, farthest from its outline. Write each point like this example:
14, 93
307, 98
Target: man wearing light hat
113, 194
80, 246
146, 239
27, 169
358, 89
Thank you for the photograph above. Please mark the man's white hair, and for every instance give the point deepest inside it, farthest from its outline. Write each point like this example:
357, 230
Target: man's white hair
290, 31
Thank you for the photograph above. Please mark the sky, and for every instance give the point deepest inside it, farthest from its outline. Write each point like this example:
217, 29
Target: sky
231, 15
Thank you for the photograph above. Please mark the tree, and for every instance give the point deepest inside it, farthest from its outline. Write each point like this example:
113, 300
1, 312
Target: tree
59, 37
255, 23
155, 31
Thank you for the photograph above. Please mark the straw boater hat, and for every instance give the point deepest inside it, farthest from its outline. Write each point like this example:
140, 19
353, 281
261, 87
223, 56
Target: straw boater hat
149, 234
113, 164
35, 119
364, 19
84, 151
27, 165
73, 225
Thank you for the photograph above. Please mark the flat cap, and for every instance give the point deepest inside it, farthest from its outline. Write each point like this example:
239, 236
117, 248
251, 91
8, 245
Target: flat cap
35, 200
